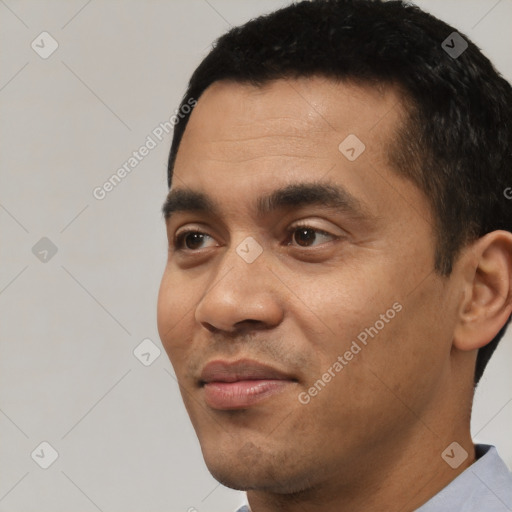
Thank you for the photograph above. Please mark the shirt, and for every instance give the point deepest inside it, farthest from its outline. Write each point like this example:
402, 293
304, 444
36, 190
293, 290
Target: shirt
485, 486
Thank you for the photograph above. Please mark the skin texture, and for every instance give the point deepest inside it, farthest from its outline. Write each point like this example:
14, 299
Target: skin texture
372, 438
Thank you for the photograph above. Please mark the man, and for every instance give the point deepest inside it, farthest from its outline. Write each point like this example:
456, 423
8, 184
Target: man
340, 259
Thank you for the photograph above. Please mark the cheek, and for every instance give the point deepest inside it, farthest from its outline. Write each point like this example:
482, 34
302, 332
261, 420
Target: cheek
342, 303
407, 360
174, 310
165, 307
371, 320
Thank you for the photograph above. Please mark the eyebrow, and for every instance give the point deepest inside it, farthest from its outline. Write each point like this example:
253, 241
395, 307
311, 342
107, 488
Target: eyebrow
292, 196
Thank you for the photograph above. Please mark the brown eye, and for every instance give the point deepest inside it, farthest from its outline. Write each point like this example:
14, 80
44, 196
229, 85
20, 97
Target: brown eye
193, 240
190, 240
306, 236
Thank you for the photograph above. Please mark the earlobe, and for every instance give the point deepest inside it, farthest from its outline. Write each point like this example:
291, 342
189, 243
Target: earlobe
487, 295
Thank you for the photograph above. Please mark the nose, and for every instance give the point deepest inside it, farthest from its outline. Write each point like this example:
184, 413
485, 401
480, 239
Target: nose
241, 296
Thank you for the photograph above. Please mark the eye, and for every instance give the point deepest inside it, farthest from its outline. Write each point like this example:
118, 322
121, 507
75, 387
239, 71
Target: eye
190, 239
303, 234
306, 235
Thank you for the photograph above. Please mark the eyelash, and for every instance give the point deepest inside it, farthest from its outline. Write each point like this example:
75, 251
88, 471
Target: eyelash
180, 238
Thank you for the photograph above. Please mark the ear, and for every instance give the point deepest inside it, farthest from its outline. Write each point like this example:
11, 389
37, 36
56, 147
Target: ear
486, 267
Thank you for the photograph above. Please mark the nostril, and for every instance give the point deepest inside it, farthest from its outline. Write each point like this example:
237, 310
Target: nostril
209, 327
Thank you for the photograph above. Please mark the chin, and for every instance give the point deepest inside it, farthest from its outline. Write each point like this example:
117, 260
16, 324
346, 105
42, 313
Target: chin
247, 479
250, 468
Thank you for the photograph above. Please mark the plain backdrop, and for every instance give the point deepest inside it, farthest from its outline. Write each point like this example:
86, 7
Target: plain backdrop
79, 276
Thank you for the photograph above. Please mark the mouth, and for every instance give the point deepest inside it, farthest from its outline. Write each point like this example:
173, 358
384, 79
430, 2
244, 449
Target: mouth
241, 384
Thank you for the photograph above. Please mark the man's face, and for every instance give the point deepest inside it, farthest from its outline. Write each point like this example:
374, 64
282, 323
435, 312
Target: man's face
348, 282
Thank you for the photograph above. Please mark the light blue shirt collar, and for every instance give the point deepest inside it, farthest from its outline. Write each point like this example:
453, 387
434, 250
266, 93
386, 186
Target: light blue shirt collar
486, 486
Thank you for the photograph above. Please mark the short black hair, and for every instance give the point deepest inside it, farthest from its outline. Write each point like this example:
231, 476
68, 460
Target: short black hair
455, 142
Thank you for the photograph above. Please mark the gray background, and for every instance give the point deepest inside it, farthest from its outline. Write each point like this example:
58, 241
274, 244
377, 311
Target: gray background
69, 325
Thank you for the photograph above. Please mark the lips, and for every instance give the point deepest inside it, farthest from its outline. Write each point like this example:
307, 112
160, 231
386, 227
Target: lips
240, 384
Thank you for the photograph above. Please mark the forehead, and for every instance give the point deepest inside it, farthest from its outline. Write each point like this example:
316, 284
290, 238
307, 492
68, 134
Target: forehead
242, 121
243, 141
